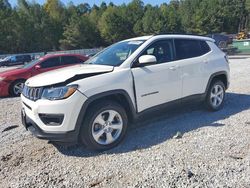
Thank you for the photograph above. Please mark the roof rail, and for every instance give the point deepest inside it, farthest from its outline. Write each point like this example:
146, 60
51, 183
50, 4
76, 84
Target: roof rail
178, 33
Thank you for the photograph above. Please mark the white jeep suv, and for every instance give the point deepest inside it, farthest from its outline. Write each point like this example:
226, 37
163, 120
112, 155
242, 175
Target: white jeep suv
94, 102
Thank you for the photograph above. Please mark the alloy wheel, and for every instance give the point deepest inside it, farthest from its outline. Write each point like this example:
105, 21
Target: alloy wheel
107, 127
217, 95
17, 88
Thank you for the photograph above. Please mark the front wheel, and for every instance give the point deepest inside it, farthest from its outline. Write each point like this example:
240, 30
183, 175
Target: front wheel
104, 126
215, 96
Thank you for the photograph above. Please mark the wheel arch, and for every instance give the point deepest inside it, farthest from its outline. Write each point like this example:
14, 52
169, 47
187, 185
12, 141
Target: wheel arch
222, 75
120, 96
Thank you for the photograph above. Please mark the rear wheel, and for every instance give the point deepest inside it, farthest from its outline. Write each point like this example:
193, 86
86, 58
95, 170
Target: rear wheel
16, 88
215, 96
104, 126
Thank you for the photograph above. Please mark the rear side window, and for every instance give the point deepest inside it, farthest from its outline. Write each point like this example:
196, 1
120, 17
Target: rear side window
19, 58
68, 60
188, 48
51, 62
26, 57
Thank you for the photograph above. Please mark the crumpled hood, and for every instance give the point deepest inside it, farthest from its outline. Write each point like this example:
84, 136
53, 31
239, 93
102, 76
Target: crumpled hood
67, 74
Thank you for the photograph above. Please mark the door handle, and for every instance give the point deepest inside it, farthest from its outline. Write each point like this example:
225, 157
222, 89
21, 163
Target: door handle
205, 61
173, 67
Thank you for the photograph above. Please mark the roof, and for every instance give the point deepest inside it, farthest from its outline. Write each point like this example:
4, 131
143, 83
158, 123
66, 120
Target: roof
140, 38
59, 55
62, 54
186, 36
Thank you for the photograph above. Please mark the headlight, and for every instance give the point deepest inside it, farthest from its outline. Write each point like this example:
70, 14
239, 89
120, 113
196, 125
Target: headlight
1, 79
58, 93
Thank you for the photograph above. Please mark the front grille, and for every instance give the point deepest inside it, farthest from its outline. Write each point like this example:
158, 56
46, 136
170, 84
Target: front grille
32, 93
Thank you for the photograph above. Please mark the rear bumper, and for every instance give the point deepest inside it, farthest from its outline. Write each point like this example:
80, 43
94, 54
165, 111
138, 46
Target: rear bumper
67, 137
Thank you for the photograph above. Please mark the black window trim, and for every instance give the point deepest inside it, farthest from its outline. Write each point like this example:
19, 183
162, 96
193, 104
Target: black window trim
60, 60
76, 57
200, 40
40, 63
208, 47
134, 63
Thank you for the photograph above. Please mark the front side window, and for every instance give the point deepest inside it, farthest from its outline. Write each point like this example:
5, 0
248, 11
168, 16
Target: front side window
51, 62
31, 64
162, 50
13, 59
116, 54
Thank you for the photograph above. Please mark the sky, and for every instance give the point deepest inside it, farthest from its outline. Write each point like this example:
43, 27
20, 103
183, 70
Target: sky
98, 2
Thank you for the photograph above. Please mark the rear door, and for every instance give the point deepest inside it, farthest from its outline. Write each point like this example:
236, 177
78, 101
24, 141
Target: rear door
158, 83
192, 58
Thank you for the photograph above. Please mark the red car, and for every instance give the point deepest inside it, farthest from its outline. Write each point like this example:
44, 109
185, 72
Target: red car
11, 81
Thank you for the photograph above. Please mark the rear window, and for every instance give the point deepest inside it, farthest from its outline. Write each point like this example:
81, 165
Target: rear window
188, 48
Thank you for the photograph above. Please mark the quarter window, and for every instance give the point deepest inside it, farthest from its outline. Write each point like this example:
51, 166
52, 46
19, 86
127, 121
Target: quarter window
204, 47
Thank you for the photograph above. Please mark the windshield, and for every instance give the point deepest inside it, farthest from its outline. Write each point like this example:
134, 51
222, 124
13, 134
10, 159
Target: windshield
31, 64
6, 58
116, 54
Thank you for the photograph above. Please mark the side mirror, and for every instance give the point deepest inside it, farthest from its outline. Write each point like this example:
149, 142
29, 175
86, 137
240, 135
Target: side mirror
147, 60
37, 67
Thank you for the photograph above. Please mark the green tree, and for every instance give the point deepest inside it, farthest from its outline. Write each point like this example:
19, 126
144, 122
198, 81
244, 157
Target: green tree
57, 13
134, 11
84, 8
171, 17
31, 27
7, 40
113, 25
79, 33
152, 21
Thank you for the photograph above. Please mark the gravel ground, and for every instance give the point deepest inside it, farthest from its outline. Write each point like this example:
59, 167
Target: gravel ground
210, 149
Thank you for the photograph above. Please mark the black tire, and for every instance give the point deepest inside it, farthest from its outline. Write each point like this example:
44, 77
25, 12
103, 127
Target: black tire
86, 136
209, 101
12, 90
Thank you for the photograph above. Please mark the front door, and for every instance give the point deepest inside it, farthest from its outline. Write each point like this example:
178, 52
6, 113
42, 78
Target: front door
161, 82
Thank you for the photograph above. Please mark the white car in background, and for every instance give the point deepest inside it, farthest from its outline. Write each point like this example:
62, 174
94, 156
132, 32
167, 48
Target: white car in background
94, 103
